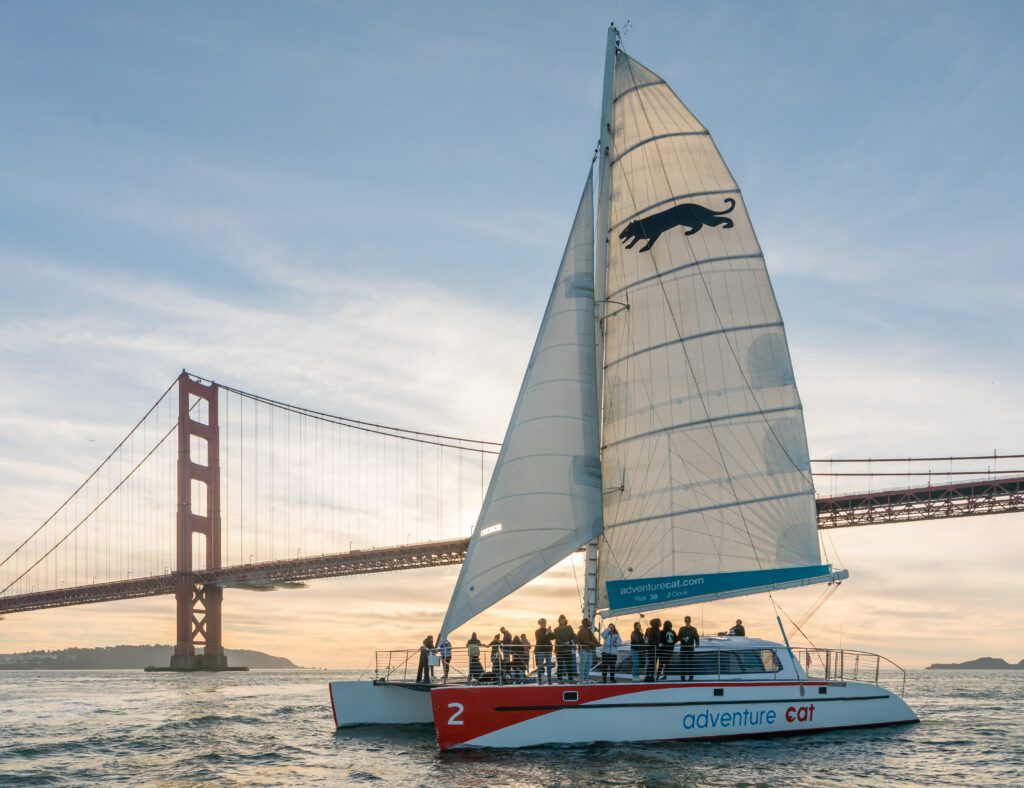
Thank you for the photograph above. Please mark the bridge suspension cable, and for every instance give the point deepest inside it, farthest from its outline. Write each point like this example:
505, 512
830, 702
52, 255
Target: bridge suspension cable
297, 483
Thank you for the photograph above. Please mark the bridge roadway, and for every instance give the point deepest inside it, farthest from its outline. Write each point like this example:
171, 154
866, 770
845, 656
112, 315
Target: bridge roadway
959, 499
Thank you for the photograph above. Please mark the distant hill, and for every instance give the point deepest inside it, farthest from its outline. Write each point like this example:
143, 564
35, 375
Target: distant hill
126, 657
982, 663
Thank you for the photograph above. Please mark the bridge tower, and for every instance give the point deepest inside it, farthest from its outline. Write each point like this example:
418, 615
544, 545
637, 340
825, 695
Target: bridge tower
198, 603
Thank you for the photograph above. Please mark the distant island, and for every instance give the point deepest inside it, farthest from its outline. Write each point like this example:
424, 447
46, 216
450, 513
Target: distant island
127, 658
982, 663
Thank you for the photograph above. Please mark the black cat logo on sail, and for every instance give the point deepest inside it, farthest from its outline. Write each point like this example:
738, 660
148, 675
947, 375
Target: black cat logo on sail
689, 214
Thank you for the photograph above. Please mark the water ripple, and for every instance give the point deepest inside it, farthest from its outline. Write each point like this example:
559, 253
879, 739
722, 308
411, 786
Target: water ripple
274, 728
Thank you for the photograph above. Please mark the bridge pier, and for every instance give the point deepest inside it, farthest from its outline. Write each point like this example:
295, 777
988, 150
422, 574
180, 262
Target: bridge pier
198, 603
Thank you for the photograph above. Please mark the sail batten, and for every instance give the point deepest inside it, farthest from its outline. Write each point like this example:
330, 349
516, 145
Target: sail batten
705, 453
544, 498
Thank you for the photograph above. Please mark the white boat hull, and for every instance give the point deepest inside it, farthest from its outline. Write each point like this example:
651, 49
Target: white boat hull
528, 715
379, 703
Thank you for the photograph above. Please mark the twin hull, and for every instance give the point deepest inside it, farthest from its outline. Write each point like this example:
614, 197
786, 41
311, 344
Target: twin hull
528, 715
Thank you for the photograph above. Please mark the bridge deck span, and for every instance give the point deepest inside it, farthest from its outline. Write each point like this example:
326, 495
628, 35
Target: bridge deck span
961, 499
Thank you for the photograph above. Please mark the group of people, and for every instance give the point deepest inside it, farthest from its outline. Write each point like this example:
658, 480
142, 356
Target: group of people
556, 650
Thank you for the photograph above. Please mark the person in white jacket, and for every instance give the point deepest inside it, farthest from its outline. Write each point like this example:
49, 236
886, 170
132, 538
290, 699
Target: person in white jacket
609, 652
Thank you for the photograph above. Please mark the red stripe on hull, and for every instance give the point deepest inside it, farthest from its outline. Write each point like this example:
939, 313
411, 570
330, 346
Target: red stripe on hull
462, 714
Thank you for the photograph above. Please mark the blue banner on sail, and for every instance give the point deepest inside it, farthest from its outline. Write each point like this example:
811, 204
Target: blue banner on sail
664, 591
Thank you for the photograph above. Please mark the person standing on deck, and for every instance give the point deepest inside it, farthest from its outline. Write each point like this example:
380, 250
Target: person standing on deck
444, 648
738, 630
588, 645
506, 651
637, 650
653, 638
543, 637
423, 671
610, 652
524, 659
666, 650
689, 639
496, 658
473, 650
565, 641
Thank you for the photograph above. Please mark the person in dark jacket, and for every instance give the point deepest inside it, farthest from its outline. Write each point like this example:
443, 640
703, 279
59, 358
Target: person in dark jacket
515, 655
524, 657
423, 671
666, 650
689, 639
565, 645
543, 637
738, 630
653, 638
506, 652
638, 651
495, 646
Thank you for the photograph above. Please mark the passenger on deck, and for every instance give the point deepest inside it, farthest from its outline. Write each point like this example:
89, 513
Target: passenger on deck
444, 648
565, 642
666, 650
638, 650
473, 650
738, 630
506, 652
543, 637
609, 652
653, 638
689, 639
423, 671
516, 656
524, 658
496, 657
588, 645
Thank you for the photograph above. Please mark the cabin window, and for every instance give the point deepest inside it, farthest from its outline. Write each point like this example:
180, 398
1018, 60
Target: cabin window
770, 660
748, 661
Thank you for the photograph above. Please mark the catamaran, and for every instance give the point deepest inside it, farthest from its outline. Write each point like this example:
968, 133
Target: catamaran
658, 427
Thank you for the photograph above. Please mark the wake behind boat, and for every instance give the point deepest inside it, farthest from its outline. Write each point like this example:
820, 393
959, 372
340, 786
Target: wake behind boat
658, 425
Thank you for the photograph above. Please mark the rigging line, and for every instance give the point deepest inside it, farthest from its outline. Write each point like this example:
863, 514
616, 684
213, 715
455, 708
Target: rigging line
352, 422
711, 300
91, 512
91, 475
813, 610
686, 355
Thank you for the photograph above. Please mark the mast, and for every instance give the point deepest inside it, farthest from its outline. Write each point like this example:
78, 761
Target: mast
601, 275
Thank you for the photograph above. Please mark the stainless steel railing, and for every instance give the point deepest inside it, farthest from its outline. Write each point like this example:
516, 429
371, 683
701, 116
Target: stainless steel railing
504, 664
832, 664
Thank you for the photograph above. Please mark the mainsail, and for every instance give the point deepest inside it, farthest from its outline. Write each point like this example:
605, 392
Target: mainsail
708, 487
544, 497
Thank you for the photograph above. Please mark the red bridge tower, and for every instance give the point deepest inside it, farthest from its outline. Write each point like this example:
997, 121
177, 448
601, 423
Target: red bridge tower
199, 604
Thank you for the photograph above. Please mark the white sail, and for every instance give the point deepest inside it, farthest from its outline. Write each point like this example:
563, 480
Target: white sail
544, 497
708, 485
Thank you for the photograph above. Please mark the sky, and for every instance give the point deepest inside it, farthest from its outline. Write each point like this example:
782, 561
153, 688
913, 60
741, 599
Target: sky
360, 207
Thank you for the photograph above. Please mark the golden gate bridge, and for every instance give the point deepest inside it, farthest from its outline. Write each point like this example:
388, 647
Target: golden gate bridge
220, 488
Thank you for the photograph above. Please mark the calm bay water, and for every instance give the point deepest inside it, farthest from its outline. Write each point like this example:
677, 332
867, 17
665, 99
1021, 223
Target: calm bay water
275, 727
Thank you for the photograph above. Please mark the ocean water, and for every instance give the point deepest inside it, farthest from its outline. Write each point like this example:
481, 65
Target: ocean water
275, 727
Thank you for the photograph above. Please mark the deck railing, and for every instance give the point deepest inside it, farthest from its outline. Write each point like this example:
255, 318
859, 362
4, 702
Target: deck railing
832, 664
513, 665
